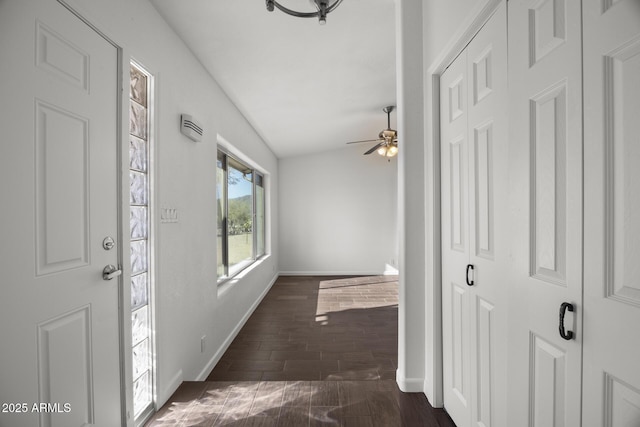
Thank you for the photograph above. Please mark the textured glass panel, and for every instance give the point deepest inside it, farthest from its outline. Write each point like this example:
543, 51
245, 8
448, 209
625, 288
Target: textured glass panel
137, 154
138, 120
138, 87
138, 222
139, 231
139, 325
138, 256
142, 393
139, 291
141, 358
138, 188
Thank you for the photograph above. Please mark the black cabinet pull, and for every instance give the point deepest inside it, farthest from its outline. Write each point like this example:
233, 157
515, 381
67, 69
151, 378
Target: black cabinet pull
567, 335
469, 267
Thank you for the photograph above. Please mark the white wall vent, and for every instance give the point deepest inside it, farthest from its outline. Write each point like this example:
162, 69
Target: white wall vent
191, 128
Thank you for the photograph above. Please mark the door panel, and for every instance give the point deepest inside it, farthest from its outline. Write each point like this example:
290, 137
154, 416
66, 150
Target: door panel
474, 182
455, 243
548, 148
483, 137
488, 216
58, 317
65, 364
545, 187
612, 213
61, 189
547, 383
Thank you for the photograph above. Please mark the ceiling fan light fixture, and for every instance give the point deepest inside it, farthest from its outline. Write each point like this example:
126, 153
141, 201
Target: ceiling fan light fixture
387, 142
324, 7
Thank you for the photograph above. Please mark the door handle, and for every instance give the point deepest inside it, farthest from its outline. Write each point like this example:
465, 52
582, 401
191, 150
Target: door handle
567, 335
110, 271
469, 267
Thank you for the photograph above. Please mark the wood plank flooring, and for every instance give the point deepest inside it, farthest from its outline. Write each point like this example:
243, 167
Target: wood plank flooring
317, 351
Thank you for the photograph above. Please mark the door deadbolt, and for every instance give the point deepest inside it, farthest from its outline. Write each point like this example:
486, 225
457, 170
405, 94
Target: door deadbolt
108, 243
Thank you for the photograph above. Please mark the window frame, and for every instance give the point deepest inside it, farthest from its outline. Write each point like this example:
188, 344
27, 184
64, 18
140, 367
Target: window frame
229, 272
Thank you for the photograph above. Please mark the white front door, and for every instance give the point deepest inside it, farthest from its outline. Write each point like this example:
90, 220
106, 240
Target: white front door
475, 240
611, 377
60, 356
545, 150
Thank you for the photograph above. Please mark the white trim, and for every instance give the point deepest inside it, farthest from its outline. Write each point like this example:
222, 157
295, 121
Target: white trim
409, 385
227, 342
227, 283
168, 391
467, 31
228, 148
387, 272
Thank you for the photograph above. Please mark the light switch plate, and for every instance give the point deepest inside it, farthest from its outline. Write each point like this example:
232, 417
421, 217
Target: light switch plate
168, 215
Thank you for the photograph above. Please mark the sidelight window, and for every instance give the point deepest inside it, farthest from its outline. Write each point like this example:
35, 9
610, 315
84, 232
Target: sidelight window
140, 249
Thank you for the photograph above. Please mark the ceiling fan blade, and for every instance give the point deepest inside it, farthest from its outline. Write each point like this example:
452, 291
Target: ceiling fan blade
374, 148
365, 140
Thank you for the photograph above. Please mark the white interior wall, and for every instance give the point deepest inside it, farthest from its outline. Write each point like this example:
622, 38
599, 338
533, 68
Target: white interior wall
188, 304
338, 213
447, 27
411, 197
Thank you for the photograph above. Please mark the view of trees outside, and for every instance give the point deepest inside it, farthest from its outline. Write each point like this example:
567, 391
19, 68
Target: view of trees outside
221, 197
240, 215
260, 215
236, 201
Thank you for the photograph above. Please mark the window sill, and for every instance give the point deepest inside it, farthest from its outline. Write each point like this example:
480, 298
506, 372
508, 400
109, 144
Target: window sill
227, 283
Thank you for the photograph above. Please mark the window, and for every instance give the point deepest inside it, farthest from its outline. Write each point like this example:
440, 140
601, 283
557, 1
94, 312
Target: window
140, 233
240, 194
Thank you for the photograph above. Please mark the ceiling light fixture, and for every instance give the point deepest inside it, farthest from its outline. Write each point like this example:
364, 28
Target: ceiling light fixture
387, 142
324, 7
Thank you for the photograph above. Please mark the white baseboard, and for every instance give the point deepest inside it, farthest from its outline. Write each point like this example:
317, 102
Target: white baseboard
410, 385
434, 399
339, 273
175, 382
227, 342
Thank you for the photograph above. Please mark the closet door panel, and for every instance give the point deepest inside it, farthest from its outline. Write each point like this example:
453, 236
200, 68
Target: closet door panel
612, 213
474, 240
488, 213
456, 295
545, 188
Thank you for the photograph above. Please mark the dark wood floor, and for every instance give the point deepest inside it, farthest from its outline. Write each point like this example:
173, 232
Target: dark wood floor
317, 351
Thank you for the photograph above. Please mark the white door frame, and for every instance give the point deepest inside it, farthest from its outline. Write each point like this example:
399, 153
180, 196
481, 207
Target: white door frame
470, 27
124, 291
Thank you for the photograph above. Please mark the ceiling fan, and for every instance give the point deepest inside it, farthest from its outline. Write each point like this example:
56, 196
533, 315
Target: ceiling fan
387, 142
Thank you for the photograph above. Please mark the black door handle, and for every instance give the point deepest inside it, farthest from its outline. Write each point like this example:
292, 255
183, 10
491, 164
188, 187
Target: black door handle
567, 335
469, 267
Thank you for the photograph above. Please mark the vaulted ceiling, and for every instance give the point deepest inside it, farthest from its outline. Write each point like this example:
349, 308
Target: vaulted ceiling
304, 87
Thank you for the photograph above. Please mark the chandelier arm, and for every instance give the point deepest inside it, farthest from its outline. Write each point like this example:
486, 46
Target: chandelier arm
295, 13
333, 6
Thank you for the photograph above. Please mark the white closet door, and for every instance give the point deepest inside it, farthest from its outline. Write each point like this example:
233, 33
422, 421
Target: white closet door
488, 215
456, 299
612, 213
545, 143
474, 181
